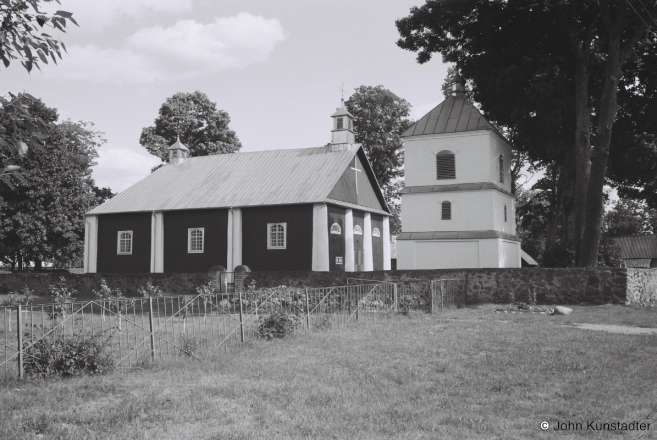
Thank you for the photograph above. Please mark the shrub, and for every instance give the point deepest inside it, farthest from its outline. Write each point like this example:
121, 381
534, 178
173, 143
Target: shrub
13, 299
63, 296
68, 356
148, 291
189, 345
279, 324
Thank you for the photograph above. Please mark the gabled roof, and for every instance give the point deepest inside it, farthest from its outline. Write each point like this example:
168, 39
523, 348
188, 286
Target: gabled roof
276, 177
637, 246
455, 114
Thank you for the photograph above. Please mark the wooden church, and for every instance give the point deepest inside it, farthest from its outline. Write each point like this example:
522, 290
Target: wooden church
458, 210
317, 209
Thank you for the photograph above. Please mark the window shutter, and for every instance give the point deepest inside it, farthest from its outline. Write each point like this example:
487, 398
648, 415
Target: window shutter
501, 161
445, 165
446, 211
340, 124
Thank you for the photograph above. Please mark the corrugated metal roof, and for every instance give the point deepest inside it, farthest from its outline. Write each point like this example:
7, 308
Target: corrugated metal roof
643, 263
528, 259
453, 115
274, 177
638, 246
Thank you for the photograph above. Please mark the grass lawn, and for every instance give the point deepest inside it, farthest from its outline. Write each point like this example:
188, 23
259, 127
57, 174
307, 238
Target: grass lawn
462, 374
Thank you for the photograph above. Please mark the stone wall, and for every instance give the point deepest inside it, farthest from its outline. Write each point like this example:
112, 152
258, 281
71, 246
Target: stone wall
552, 286
642, 286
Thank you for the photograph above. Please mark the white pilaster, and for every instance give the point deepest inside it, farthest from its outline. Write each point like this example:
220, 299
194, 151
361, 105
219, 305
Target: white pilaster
320, 238
91, 244
237, 237
157, 242
229, 257
349, 258
385, 234
368, 261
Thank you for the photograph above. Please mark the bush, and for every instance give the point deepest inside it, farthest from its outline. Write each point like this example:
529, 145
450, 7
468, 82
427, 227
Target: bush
279, 324
68, 356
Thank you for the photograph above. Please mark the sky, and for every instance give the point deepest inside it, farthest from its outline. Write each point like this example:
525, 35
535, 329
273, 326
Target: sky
276, 67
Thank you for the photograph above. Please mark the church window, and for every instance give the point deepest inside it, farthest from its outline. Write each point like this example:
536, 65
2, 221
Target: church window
195, 240
445, 165
351, 125
505, 213
376, 232
336, 229
340, 124
358, 230
446, 211
501, 164
276, 235
124, 243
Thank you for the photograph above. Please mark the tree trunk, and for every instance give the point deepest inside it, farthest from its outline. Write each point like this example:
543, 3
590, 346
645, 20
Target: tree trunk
20, 261
38, 264
566, 200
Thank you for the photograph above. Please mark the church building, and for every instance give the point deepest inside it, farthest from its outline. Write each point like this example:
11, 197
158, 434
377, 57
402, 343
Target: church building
317, 209
457, 207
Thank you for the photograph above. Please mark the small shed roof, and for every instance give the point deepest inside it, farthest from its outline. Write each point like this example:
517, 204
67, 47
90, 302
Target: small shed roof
455, 114
637, 246
275, 177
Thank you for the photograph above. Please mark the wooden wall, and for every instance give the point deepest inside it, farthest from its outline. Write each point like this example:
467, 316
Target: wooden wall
336, 242
377, 242
108, 227
299, 246
176, 224
359, 219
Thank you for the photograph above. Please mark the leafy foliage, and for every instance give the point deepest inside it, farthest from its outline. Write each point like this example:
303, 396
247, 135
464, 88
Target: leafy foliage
150, 291
13, 299
198, 123
63, 297
19, 34
381, 117
630, 217
279, 324
117, 301
68, 356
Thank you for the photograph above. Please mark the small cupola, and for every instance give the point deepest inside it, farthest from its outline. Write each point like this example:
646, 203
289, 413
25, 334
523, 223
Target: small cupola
458, 85
343, 127
178, 152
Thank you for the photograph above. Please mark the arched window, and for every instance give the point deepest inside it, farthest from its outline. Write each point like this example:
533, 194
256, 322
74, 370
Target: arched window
446, 211
501, 163
336, 229
376, 232
445, 165
358, 230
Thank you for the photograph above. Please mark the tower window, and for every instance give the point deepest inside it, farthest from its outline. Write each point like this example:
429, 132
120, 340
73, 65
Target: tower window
445, 165
505, 213
340, 123
501, 163
446, 211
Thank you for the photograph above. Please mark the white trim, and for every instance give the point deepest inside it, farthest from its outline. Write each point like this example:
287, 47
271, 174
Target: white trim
229, 242
387, 262
237, 237
269, 245
157, 247
91, 244
118, 242
349, 230
189, 241
320, 257
368, 259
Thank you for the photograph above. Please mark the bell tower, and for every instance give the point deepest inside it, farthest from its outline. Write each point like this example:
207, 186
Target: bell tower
343, 127
178, 152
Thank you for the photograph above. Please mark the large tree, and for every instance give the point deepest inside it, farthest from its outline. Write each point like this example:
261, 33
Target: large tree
44, 215
551, 71
194, 119
380, 119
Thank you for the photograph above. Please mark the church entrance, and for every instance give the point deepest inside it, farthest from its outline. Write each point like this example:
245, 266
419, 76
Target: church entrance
359, 248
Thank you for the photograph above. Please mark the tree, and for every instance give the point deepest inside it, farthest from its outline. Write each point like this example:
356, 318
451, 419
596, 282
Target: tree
552, 72
194, 119
381, 117
44, 216
102, 194
630, 217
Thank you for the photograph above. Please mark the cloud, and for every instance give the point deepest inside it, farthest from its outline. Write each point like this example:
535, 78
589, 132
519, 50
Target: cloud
95, 15
185, 50
120, 168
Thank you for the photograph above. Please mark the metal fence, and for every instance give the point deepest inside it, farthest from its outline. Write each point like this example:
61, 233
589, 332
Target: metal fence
138, 330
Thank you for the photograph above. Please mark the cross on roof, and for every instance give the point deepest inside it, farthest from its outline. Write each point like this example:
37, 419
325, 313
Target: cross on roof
356, 171
342, 90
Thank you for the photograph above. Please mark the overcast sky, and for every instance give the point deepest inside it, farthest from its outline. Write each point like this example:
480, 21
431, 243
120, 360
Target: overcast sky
276, 66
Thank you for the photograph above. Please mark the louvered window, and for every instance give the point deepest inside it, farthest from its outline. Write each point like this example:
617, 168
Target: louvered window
340, 124
505, 213
501, 163
446, 211
445, 165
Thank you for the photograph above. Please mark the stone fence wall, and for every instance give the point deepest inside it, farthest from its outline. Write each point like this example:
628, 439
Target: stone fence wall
551, 286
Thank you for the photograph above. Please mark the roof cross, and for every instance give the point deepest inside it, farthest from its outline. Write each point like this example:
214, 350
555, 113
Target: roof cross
356, 171
342, 90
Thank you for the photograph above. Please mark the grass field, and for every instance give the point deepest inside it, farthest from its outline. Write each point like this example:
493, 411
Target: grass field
462, 374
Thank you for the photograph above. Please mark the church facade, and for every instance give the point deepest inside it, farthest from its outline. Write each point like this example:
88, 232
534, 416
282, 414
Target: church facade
458, 210
317, 209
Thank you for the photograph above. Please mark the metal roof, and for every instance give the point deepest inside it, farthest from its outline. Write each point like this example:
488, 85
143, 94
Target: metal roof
475, 186
455, 114
258, 178
638, 246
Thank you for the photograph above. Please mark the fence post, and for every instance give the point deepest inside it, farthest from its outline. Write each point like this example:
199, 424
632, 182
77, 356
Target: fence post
150, 323
307, 311
358, 306
19, 332
241, 319
394, 295
433, 284
442, 296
